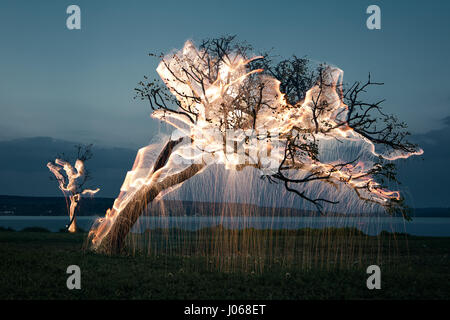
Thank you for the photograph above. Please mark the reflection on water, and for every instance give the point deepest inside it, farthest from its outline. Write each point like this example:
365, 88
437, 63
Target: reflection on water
370, 225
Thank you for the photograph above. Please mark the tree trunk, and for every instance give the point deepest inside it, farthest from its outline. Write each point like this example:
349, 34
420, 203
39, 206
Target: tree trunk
72, 215
113, 242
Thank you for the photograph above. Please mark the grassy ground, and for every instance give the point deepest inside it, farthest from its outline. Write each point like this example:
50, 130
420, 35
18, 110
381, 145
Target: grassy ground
33, 266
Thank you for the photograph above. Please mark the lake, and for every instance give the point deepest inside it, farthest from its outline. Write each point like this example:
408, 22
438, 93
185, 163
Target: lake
439, 227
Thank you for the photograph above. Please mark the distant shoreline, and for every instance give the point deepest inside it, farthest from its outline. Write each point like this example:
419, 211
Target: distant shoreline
56, 206
418, 226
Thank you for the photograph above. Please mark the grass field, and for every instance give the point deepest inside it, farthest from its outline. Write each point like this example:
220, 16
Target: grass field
33, 266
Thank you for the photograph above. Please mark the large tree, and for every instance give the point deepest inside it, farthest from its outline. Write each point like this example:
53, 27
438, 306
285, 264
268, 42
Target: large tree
218, 88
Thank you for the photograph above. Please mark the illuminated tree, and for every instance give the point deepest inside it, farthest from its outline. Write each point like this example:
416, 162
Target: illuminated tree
72, 180
215, 90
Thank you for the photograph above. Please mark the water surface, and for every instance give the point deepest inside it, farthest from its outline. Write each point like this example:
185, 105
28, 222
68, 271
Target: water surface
370, 225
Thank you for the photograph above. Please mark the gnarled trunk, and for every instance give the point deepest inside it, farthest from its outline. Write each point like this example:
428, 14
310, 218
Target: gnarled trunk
113, 242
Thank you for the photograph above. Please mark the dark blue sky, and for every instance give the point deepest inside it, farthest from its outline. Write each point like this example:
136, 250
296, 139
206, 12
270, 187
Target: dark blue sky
78, 85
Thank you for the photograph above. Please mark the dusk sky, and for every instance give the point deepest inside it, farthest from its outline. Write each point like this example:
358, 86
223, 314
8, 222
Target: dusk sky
77, 85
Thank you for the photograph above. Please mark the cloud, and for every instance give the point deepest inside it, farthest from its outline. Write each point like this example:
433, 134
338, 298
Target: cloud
426, 178
446, 121
435, 142
23, 168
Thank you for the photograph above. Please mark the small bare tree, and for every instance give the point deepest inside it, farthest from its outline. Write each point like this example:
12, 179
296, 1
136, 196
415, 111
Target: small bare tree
72, 179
